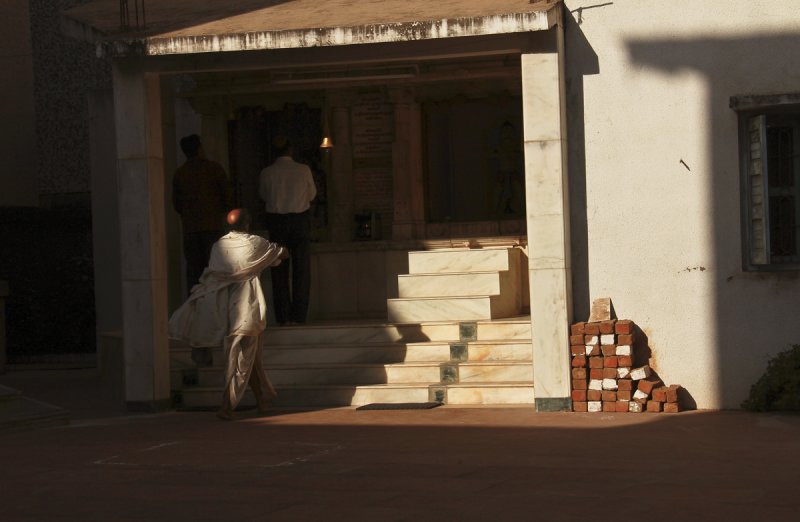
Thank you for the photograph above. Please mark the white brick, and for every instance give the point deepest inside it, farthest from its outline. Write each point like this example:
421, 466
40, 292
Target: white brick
623, 372
638, 374
595, 406
610, 384
639, 394
624, 349
593, 340
634, 407
607, 339
595, 384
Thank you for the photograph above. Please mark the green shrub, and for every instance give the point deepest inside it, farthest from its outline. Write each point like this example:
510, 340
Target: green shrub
779, 388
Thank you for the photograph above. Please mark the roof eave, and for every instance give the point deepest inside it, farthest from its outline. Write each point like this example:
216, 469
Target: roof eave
540, 20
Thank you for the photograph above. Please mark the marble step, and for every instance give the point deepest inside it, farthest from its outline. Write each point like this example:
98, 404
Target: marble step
457, 284
463, 260
472, 308
376, 353
349, 395
361, 333
362, 374
513, 328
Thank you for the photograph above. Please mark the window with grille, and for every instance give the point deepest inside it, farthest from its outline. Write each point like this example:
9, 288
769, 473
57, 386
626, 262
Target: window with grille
770, 159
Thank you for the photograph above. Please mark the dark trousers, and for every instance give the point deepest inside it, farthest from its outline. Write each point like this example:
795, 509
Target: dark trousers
197, 250
294, 232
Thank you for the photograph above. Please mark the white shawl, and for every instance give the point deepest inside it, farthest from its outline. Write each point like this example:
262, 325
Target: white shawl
228, 299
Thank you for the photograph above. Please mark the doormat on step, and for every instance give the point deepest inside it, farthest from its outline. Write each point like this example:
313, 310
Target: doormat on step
400, 406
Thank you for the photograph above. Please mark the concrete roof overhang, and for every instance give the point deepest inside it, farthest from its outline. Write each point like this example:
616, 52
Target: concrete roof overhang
186, 27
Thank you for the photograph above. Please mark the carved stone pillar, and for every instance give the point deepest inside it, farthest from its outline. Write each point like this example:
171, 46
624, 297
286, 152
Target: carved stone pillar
409, 189
340, 180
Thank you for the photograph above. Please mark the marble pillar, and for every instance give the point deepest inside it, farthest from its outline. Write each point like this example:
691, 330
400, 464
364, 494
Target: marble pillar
340, 181
409, 186
140, 182
548, 227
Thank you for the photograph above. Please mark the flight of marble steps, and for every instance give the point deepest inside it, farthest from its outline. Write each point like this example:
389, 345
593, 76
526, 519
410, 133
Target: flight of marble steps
465, 284
455, 335
482, 362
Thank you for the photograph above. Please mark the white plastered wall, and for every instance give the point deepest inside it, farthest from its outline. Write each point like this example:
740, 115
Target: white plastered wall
660, 225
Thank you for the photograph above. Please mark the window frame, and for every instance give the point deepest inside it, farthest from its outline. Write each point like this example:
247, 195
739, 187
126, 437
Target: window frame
747, 108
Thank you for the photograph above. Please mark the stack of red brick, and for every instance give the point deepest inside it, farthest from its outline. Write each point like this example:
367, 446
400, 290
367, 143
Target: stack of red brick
604, 377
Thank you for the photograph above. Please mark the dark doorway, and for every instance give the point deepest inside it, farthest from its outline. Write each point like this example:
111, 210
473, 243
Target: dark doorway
474, 159
250, 136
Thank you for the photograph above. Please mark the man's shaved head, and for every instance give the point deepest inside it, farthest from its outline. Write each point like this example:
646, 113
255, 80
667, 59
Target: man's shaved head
239, 220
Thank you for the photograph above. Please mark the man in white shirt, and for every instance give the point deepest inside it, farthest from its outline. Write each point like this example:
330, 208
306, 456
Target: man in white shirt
287, 188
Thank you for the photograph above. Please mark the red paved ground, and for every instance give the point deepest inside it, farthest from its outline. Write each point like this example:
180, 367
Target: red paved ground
445, 464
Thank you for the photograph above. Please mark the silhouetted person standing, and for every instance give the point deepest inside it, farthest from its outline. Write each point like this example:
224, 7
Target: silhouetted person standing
201, 195
287, 188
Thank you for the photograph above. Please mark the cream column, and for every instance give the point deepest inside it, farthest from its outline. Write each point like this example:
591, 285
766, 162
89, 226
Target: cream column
409, 189
140, 177
548, 227
340, 185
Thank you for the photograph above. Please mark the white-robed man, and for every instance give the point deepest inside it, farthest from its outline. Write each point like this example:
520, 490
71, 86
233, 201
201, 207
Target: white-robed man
228, 308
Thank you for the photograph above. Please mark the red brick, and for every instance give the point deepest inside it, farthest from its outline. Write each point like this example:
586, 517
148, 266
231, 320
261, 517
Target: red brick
673, 392
594, 395
577, 349
579, 395
610, 362
624, 395
597, 373
672, 407
592, 350
622, 406
580, 406
623, 326
580, 384
577, 329
579, 373
592, 329
579, 361
654, 406
625, 384
648, 385
625, 339
660, 394
609, 396
610, 406
609, 373
607, 327
625, 360
609, 349
595, 362
576, 339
